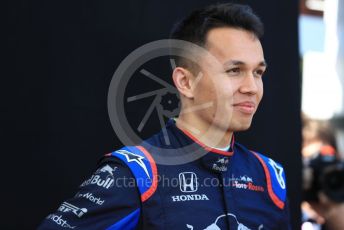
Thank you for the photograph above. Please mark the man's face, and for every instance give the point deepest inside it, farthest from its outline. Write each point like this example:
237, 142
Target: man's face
234, 85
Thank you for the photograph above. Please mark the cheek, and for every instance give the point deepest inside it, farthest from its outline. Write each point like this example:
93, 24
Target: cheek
206, 100
224, 97
205, 92
226, 89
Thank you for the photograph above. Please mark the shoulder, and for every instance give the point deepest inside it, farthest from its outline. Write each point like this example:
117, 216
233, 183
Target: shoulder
275, 179
142, 166
109, 189
273, 172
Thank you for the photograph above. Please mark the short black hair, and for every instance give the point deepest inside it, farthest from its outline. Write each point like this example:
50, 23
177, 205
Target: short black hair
195, 27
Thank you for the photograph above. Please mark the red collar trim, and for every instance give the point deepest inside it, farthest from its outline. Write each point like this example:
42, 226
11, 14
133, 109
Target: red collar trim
207, 148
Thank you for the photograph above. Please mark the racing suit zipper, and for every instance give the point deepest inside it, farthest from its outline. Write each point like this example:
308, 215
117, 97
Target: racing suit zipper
224, 197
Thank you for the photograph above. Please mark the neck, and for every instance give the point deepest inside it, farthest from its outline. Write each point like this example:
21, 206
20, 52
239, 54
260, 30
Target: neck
208, 134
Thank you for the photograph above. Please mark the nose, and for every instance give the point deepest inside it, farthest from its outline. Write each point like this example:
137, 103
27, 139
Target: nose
249, 84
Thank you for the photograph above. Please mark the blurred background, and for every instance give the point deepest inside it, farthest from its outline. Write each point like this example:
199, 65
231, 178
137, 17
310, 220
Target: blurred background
321, 42
60, 57
321, 36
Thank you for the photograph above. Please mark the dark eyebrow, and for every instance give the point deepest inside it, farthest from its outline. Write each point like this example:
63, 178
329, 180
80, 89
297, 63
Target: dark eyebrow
263, 63
236, 62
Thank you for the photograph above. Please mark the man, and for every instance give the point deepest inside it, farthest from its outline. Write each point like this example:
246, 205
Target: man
223, 185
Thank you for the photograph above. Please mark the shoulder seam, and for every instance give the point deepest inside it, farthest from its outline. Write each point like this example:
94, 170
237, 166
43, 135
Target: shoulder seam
277, 201
142, 167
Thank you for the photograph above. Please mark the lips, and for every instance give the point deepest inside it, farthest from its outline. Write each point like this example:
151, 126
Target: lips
246, 107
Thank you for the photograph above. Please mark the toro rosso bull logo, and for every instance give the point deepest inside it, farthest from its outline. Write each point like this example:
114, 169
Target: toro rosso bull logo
106, 169
214, 225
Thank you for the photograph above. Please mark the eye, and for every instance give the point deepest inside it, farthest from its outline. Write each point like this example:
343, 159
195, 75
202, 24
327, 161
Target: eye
259, 72
233, 71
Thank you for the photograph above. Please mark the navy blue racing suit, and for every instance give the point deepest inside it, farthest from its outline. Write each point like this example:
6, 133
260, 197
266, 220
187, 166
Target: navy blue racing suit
173, 181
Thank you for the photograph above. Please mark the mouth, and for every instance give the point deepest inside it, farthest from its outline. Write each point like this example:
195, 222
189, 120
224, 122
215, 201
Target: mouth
246, 107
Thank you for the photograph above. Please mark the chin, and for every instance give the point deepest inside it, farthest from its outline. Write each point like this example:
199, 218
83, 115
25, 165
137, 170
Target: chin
234, 125
242, 126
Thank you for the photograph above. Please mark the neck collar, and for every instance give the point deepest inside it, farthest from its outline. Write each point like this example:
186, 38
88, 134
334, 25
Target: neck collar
204, 146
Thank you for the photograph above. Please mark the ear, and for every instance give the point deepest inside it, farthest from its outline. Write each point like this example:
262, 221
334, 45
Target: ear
183, 80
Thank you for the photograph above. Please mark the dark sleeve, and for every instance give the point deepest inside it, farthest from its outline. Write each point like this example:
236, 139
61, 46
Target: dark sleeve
109, 199
285, 223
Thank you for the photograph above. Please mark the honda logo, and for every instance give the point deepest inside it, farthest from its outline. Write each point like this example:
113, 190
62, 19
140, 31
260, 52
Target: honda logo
188, 182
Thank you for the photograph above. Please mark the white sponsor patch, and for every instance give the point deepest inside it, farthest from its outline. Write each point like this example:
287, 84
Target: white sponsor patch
278, 172
67, 207
215, 225
245, 182
182, 198
188, 182
97, 180
103, 177
132, 157
89, 196
59, 221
